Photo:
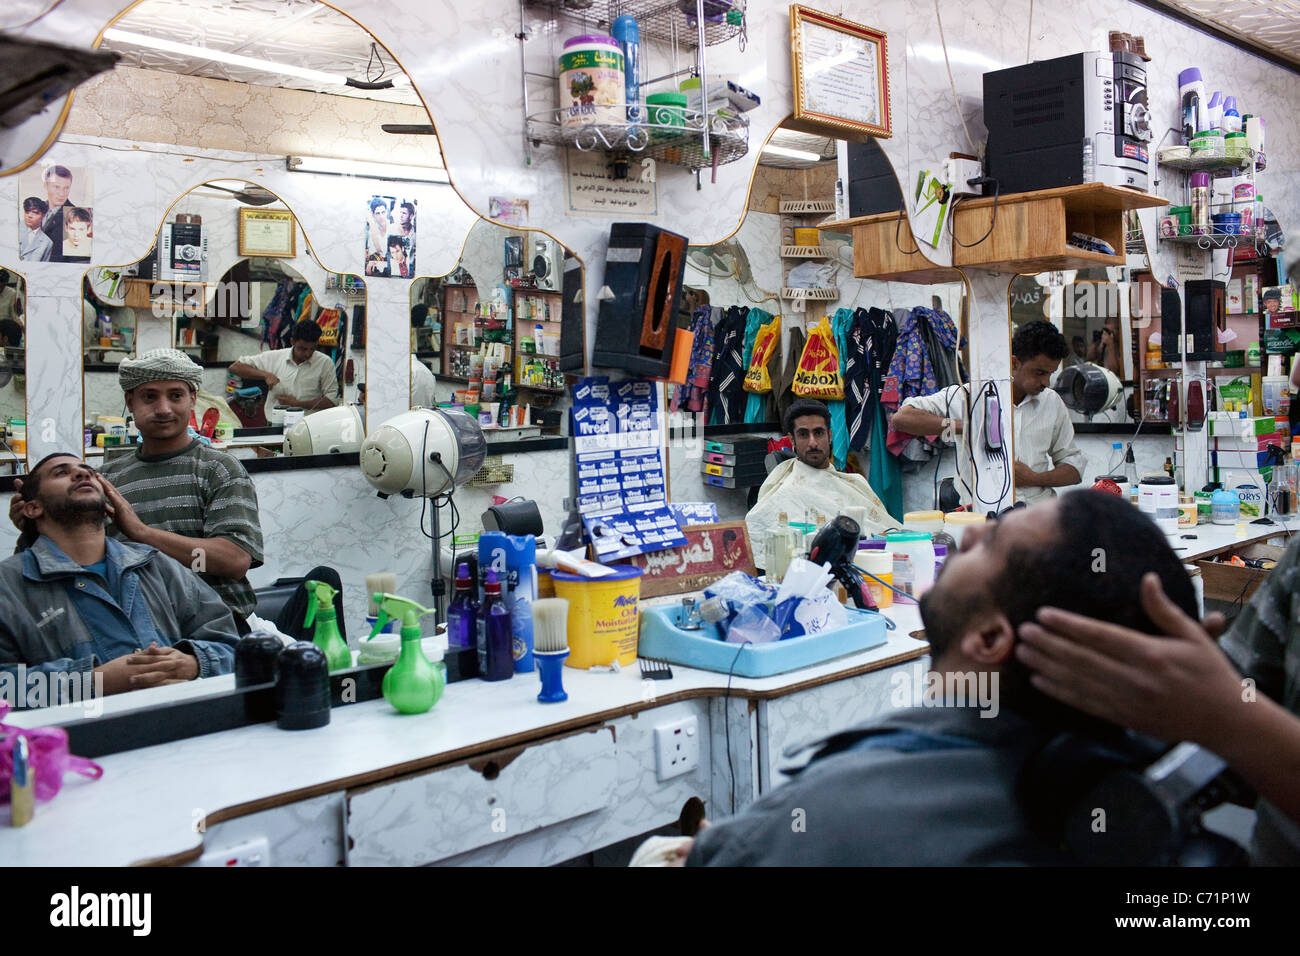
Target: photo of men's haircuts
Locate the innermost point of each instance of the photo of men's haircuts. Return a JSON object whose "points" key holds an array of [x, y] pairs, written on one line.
{"points": [[56, 221], [390, 237]]}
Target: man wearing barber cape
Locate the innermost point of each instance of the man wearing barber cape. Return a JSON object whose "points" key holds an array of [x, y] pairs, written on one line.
{"points": [[808, 484]]}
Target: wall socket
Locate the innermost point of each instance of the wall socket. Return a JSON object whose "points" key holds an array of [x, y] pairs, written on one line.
{"points": [[957, 172], [677, 747], [253, 853]]}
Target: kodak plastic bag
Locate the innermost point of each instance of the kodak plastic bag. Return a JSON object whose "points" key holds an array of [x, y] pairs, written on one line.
{"points": [[767, 341], [818, 374]]}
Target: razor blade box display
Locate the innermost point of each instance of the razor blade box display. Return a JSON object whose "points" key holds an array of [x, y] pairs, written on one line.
{"points": [[661, 637], [636, 329], [622, 489]]}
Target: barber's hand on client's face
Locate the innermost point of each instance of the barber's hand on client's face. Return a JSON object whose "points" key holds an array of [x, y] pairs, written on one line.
{"points": [[1176, 687], [120, 511], [16, 506]]}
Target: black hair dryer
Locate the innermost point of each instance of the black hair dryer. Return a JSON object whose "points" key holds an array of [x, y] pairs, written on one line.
{"points": [[837, 544]]}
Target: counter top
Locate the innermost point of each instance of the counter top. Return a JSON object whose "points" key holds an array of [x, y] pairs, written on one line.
{"points": [[1214, 538], [147, 803]]}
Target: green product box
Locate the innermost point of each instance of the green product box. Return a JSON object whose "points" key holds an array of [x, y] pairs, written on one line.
{"points": [[1236, 427]]}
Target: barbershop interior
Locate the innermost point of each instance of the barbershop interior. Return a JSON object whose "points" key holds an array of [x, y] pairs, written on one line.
{"points": [[624, 432]]}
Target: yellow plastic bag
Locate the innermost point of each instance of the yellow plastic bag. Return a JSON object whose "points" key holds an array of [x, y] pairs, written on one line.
{"points": [[766, 343], [818, 374]]}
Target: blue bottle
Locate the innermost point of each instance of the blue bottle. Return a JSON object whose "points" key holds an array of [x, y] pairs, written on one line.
{"points": [[462, 613], [514, 558], [625, 30], [496, 659]]}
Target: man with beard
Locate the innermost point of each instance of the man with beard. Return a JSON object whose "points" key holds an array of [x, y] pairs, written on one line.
{"points": [[78, 601], [194, 503], [938, 784]]}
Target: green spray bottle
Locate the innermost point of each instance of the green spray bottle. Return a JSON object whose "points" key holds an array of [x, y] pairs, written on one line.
{"points": [[327, 637], [412, 685]]}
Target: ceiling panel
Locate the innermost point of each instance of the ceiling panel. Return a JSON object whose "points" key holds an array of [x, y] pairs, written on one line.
{"points": [[300, 33], [1273, 24]]}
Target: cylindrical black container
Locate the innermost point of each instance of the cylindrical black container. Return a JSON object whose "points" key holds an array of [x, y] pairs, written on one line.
{"points": [[255, 657], [302, 687]]}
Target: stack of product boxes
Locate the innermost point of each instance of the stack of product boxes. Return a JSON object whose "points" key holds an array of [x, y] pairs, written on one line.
{"points": [[1245, 450]]}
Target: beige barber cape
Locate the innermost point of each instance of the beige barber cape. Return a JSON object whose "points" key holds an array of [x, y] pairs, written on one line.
{"points": [[799, 490]]}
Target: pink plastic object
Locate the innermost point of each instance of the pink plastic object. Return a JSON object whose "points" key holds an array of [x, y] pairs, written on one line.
{"points": [[49, 759]]}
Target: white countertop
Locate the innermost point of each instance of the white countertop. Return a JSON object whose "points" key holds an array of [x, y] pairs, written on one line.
{"points": [[1214, 537], [145, 805]]}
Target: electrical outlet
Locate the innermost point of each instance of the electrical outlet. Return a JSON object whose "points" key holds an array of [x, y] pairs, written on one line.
{"points": [[252, 853], [959, 172], [677, 747]]}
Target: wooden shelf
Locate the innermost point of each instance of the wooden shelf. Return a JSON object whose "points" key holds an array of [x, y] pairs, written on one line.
{"points": [[1032, 230], [884, 250]]}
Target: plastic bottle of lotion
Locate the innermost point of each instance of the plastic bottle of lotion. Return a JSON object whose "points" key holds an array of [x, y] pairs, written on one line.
{"points": [[1214, 111], [496, 659], [1231, 118], [1191, 93]]}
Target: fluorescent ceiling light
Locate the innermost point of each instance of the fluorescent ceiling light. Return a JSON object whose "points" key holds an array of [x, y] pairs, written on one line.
{"points": [[352, 167], [234, 59], [792, 153]]}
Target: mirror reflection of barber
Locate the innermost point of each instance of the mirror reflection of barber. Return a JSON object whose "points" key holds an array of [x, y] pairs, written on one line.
{"points": [[1046, 455]]}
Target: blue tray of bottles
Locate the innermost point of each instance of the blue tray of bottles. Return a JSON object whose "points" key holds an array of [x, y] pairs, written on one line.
{"points": [[662, 638]]}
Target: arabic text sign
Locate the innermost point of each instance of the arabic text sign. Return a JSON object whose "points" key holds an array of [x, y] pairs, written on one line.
{"points": [[711, 551]]}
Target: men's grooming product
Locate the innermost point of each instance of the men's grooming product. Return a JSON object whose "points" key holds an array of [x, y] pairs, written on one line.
{"points": [[462, 613], [624, 29], [1158, 500], [255, 659], [302, 687], [1131, 470], [22, 786], [1200, 201], [413, 684], [381, 582], [1214, 111], [1225, 507], [1231, 118], [1191, 94], [514, 558], [551, 629], [496, 660], [592, 85], [320, 608], [1251, 497]]}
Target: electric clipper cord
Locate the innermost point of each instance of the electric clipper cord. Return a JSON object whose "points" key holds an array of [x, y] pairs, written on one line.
{"points": [[994, 447]]}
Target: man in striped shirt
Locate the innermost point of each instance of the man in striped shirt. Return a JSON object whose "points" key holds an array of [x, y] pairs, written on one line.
{"points": [[172, 492]]}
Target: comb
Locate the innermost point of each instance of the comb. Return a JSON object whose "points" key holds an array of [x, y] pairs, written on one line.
{"points": [[652, 669]]}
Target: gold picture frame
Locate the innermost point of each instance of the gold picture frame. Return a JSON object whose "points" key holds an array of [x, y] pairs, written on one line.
{"points": [[834, 61], [267, 232]]}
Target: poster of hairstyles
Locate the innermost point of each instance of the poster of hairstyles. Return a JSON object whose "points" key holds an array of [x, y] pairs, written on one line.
{"points": [[56, 221], [390, 237]]}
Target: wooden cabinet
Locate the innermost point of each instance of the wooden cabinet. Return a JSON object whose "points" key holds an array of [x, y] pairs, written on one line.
{"points": [[883, 249]]}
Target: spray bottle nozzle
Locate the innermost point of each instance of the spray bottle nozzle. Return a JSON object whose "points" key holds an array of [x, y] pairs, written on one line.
{"points": [[393, 605], [323, 596]]}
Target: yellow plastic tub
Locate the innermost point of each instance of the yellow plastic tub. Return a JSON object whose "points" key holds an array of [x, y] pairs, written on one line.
{"points": [[603, 621]]}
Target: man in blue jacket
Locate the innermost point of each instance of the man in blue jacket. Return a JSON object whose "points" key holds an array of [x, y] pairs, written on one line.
{"points": [[79, 602]]}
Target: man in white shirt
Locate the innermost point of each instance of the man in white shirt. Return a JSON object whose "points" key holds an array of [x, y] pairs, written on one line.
{"points": [[1046, 455], [422, 385], [298, 377]]}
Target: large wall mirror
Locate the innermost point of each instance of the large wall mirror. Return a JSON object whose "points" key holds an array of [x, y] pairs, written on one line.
{"points": [[272, 332], [13, 371], [500, 333], [783, 262]]}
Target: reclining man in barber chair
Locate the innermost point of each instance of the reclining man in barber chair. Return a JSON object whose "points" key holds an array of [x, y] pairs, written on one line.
{"points": [[78, 601], [944, 785]]}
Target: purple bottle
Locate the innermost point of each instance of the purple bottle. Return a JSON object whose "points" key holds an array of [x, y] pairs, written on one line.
{"points": [[462, 613], [496, 655]]}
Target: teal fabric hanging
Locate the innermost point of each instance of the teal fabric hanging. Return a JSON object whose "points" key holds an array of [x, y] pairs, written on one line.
{"points": [[885, 474], [841, 323], [756, 319]]}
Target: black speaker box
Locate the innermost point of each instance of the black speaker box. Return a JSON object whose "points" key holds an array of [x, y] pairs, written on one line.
{"points": [[636, 329], [1206, 316]]}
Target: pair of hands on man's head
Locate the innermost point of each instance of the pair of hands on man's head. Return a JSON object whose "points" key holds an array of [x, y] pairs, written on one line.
{"points": [[1178, 686], [151, 667], [120, 511]]}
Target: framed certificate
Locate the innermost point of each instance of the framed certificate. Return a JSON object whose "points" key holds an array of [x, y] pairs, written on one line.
{"points": [[841, 76], [267, 232]]}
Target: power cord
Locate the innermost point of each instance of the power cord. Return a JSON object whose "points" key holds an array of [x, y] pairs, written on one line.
{"points": [[991, 389], [898, 226], [997, 190], [726, 721]]}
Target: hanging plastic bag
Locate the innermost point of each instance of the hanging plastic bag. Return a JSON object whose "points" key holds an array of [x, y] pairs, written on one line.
{"points": [[49, 758], [757, 378], [818, 374]]}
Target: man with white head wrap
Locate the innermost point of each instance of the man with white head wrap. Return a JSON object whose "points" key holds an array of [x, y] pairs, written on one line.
{"points": [[176, 494]]}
